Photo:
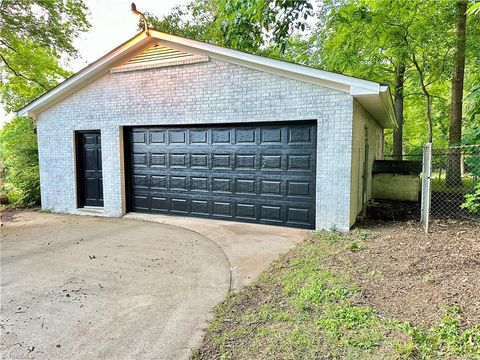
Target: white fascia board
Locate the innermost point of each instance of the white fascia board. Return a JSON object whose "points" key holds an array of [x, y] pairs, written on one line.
{"points": [[387, 103], [326, 78], [84, 76]]}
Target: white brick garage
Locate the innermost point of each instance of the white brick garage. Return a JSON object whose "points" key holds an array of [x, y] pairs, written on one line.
{"points": [[220, 86]]}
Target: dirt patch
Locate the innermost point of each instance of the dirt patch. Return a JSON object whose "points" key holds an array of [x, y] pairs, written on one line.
{"points": [[413, 276], [393, 210], [8, 215]]}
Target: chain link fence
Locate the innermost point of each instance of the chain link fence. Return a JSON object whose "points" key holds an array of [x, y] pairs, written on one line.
{"points": [[450, 175]]}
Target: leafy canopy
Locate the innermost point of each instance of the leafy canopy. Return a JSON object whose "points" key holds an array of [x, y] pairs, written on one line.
{"points": [[240, 24], [34, 35]]}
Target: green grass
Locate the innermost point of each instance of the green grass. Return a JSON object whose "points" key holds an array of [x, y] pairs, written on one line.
{"points": [[303, 308], [439, 184]]}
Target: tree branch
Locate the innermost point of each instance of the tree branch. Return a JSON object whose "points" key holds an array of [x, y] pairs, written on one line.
{"points": [[2, 41], [16, 73]]}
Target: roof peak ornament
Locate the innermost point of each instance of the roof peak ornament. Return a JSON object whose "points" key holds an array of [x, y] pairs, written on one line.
{"points": [[142, 16]]}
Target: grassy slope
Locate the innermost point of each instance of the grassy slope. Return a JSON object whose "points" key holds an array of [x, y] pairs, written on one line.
{"points": [[304, 307]]}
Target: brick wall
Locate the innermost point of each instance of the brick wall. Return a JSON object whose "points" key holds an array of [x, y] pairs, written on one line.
{"points": [[209, 92]]}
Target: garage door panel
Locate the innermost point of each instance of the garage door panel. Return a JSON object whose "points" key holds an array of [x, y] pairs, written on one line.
{"points": [[271, 186], [272, 135], [158, 159], [199, 137], [179, 205], [221, 161], [254, 173], [246, 211], [158, 137], [246, 136], [222, 209], [140, 159], [160, 203], [297, 215], [199, 161], [141, 202], [245, 187], [299, 188], [200, 207], [139, 136], [177, 137], [300, 134], [299, 162], [271, 213], [159, 182]]}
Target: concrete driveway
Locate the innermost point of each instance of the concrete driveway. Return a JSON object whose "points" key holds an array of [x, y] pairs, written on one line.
{"points": [[77, 287]]}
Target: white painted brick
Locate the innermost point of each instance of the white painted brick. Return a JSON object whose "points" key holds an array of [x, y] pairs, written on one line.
{"points": [[206, 93]]}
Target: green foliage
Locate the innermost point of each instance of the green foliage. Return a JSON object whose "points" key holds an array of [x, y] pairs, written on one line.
{"points": [[474, 9], [244, 25], [472, 201], [33, 37], [195, 20], [19, 159], [446, 338], [39, 71]]}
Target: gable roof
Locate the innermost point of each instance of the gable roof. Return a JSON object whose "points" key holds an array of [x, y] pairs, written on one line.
{"points": [[374, 97]]}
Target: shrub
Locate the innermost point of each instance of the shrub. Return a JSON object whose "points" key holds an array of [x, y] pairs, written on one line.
{"points": [[19, 161], [472, 201]]}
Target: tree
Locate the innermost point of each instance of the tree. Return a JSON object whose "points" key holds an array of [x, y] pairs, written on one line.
{"points": [[195, 20], [429, 45], [367, 39], [454, 176], [19, 158], [245, 25], [33, 37]]}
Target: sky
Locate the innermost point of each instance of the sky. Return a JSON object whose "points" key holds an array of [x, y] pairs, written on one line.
{"points": [[112, 24]]}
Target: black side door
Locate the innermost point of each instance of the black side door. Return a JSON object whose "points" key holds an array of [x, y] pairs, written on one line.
{"points": [[89, 168]]}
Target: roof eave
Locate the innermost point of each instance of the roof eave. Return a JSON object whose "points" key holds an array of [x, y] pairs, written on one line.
{"points": [[387, 101], [375, 96], [380, 106]]}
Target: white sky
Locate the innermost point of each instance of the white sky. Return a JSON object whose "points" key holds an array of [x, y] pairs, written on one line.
{"points": [[112, 24]]}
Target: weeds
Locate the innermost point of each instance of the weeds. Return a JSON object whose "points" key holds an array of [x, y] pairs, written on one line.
{"points": [[305, 309]]}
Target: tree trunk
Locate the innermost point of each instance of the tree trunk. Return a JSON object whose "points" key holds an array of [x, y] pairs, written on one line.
{"points": [[398, 101], [454, 176]]}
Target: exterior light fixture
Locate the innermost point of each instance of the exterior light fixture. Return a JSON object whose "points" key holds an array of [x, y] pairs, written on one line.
{"points": [[142, 16]]}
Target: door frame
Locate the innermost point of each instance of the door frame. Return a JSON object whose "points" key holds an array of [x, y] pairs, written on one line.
{"points": [[80, 165], [127, 166]]}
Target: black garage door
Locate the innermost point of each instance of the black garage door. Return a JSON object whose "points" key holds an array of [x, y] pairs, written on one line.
{"points": [[255, 173]]}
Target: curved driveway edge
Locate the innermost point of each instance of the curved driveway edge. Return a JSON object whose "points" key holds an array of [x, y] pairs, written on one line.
{"points": [[83, 287], [250, 248]]}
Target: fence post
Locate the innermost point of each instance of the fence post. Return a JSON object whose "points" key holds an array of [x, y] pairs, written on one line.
{"points": [[426, 185]]}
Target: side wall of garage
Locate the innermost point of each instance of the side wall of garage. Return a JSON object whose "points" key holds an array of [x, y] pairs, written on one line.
{"points": [[204, 93], [366, 131]]}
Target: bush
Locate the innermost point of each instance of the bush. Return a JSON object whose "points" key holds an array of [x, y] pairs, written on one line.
{"points": [[472, 201], [19, 161]]}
